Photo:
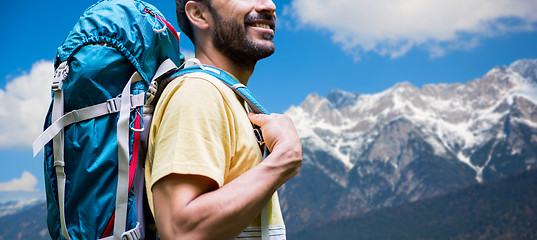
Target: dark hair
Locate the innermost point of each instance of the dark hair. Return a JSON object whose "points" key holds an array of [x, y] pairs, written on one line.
{"points": [[182, 19]]}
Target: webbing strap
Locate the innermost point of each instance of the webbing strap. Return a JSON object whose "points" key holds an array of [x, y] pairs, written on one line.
{"points": [[60, 176], [231, 82], [264, 223], [110, 106], [122, 192], [134, 172], [57, 111], [164, 67]]}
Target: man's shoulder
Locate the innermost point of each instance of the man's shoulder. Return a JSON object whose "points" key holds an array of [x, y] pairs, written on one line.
{"points": [[200, 89], [201, 79]]}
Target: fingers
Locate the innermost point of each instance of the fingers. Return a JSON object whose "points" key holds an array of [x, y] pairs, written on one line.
{"points": [[281, 138], [258, 119], [276, 129]]}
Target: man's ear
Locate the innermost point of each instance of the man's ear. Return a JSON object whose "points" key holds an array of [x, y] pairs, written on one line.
{"points": [[198, 14]]}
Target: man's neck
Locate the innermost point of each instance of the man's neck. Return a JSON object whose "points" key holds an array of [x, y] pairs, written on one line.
{"points": [[242, 72]]}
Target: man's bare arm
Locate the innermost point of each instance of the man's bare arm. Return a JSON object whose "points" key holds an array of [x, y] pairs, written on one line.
{"points": [[191, 207]]}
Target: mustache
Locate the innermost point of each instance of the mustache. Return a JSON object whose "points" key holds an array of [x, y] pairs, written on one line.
{"points": [[262, 16]]}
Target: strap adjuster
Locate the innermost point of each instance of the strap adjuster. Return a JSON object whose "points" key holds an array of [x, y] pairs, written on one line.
{"points": [[258, 135], [59, 75], [57, 84], [237, 86], [112, 105], [151, 92], [133, 234], [59, 163]]}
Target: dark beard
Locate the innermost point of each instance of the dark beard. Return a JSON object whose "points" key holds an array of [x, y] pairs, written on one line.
{"points": [[229, 37]]}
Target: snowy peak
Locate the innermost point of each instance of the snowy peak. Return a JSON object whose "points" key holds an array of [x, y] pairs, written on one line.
{"points": [[407, 143], [455, 119], [340, 99], [527, 68], [11, 207]]}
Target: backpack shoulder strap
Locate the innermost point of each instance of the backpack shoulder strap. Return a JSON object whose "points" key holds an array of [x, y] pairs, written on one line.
{"points": [[168, 71], [255, 107], [229, 81]]}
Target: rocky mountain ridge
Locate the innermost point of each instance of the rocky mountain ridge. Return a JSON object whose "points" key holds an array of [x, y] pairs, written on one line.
{"points": [[11, 207], [409, 143]]}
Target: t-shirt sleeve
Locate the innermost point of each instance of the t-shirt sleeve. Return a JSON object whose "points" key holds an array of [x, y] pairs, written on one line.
{"points": [[194, 133]]}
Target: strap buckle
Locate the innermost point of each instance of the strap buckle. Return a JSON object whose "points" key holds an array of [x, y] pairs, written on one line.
{"points": [[59, 75], [151, 92], [112, 105], [133, 234]]}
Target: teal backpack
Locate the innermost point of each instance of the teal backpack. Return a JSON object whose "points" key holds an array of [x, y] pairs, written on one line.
{"points": [[106, 82]]}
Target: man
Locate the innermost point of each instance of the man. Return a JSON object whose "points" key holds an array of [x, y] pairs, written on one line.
{"points": [[205, 177]]}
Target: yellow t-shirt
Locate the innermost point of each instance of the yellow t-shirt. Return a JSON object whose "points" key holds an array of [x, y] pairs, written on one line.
{"points": [[201, 127]]}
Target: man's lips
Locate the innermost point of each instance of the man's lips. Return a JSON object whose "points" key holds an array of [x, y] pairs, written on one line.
{"points": [[266, 26], [262, 25]]}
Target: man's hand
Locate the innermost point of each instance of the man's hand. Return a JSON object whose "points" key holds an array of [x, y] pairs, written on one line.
{"points": [[282, 141]]}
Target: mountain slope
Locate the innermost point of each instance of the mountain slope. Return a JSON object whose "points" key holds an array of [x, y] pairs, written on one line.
{"points": [[404, 144], [496, 210], [14, 206], [30, 224]]}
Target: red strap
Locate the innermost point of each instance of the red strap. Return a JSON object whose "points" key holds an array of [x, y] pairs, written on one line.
{"points": [[168, 25], [109, 227], [135, 148], [132, 172]]}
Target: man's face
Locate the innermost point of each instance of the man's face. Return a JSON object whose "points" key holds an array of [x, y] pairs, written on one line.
{"points": [[244, 30]]}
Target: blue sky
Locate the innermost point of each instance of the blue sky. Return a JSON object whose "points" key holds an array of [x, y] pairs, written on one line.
{"points": [[359, 46]]}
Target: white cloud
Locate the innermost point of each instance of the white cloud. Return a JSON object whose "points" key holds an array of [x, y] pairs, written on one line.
{"points": [[26, 182], [25, 101], [394, 27]]}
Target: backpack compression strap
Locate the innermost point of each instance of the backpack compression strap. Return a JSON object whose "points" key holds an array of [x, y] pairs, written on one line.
{"points": [[122, 104], [108, 107], [57, 111]]}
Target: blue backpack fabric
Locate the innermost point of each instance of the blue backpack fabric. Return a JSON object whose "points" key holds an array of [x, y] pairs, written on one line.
{"points": [[106, 83]]}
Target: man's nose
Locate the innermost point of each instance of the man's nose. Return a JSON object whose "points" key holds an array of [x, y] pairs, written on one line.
{"points": [[265, 5]]}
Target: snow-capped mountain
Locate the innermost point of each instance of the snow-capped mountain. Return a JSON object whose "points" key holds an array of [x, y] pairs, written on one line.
{"points": [[11, 207], [29, 222], [363, 152]]}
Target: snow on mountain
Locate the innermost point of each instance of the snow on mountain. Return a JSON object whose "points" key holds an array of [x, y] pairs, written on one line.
{"points": [[367, 151], [456, 117], [11, 207]]}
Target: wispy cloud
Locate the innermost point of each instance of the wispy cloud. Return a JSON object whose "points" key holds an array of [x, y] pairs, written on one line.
{"points": [[26, 182], [395, 27], [25, 101]]}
